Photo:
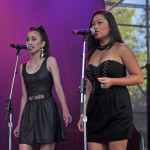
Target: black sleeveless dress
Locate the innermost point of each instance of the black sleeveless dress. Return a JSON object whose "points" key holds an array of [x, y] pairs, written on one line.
{"points": [[41, 120], [109, 111]]}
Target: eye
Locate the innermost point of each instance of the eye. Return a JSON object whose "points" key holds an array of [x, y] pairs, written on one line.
{"points": [[93, 23], [27, 39], [99, 22], [34, 39]]}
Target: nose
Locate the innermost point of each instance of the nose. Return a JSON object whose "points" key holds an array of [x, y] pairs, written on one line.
{"points": [[95, 26], [29, 42]]}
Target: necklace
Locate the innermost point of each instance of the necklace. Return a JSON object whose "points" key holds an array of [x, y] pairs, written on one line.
{"points": [[107, 46]]}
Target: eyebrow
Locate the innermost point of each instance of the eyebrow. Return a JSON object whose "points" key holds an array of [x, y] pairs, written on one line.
{"points": [[31, 36], [97, 20]]}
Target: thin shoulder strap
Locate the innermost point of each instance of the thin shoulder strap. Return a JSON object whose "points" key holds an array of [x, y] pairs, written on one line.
{"points": [[24, 69]]}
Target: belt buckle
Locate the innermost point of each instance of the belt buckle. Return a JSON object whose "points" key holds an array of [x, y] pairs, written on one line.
{"points": [[37, 97]]}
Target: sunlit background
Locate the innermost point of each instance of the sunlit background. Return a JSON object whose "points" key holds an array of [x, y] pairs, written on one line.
{"points": [[131, 18]]}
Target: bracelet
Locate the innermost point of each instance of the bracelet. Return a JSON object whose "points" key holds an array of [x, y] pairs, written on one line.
{"points": [[81, 115]]}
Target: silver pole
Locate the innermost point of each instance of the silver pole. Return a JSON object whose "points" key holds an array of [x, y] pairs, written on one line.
{"points": [[147, 31], [85, 120], [9, 107], [10, 124], [82, 91], [148, 75], [115, 5]]}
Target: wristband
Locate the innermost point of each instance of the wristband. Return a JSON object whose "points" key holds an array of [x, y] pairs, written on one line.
{"points": [[81, 115]]}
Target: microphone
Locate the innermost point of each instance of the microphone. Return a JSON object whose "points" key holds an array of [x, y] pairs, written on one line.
{"points": [[84, 31], [19, 47]]}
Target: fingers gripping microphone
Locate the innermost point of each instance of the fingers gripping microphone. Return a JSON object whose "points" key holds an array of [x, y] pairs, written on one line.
{"points": [[84, 31], [19, 47]]}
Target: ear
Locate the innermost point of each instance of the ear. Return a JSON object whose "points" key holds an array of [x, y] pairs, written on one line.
{"points": [[43, 44]]}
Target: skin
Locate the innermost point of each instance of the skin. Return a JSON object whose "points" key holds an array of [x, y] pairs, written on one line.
{"points": [[34, 41], [120, 53]]}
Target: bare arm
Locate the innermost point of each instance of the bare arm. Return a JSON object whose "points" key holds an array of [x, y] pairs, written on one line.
{"points": [[88, 92], [53, 68], [131, 63], [23, 102]]}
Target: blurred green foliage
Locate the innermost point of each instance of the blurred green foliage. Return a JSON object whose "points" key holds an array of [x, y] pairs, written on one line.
{"points": [[134, 37]]}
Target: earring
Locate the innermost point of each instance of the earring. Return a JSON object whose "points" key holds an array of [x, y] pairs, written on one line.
{"points": [[42, 52]]}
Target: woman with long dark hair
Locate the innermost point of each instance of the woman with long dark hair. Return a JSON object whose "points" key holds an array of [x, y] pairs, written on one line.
{"points": [[40, 121], [109, 111]]}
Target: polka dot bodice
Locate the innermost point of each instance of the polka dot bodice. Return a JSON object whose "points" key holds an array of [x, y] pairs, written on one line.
{"points": [[108, 68]]}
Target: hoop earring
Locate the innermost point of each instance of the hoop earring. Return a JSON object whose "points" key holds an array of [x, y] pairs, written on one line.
{"points": [[42, 52]]}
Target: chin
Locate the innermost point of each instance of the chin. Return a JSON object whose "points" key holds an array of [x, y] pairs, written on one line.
{"points": [[97, 37]]}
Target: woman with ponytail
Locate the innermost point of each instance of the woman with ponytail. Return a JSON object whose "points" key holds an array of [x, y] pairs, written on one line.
{"points": [[40, 120]]}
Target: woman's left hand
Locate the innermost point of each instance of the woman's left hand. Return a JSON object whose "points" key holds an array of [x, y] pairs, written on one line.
{"points": [[105, 82], [67, 117]]}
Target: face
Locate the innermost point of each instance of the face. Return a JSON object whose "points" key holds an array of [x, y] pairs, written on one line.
{"points": [[101, 26], [33, 39]]}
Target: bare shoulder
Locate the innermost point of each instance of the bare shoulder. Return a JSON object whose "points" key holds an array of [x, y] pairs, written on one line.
{"points": [[51, 63], [127, 55], [51, 60], [20, 67], [123, 49]]}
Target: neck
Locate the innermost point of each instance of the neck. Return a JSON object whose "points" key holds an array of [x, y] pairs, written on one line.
{"points": [[35, 58], [106, 46], [104, 42]]}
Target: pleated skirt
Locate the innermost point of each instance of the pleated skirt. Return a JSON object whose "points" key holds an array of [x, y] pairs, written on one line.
{"points": [[41, 122]]}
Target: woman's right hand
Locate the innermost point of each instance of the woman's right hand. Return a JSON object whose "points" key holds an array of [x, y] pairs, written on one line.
{"points": [[80, 124], [16, 131]]}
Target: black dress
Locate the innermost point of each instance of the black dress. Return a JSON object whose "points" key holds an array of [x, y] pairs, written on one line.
{"points": [[41, 120], [109, 111]]}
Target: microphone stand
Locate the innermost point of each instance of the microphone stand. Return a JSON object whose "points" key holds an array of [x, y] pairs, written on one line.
{"points": [[83, 96], [9, 106]]}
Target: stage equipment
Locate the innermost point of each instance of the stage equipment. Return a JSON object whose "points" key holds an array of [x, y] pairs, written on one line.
{"points": [[83, 32], [9, 107]]}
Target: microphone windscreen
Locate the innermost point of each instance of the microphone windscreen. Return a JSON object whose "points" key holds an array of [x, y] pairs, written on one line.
{"points": [[28, 47], [75, 32], [93, 31]]}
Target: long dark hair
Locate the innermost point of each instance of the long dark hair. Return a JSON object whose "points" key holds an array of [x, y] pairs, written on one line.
{"points": [[44, 37], [114, 34]]}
